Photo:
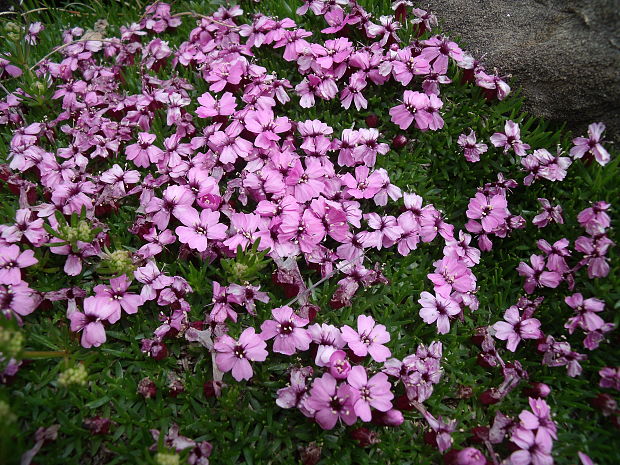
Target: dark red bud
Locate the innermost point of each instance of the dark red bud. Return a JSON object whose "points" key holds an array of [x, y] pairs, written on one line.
{"points": [[212, 388], [537, 390], [147, 388], [98, 425], [490, 397], [399, 141], [372, 121], [365, 437]]}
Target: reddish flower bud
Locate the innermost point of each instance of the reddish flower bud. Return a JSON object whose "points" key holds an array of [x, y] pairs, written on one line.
{"points": [[403, 403], [392, 417], [98, 425], [212, 388], [311, 454], [479, 434], [175, 388], [605, 403], [147, 388], [372, 121], [537, 390], [365, 437], [490, 397], [399, 141]]}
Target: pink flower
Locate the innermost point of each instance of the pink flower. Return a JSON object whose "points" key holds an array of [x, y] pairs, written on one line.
{"points": [[510, 139], [535, 276], [548, 215], [352, 93], [374, 392], [143, 153], [368, 339], [516, 328], [199, 228], [328, 338], [365, 185], [237, 355], [539, 418], [595, 219], [610, 378], [414, 107], [267, 127], [296, 394], [491, 210], [17, 300], [585, 313], [438, 309], [111, 299], [339, 366], [12, 261], [90, 322], [287, 328], [451, 275], [210, 107], [332, 402], [471, 149], [555, 254], [591, 145], [535, 448]]}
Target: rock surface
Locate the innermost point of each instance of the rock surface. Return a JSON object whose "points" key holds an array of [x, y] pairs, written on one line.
{"points": [[564, 54]]}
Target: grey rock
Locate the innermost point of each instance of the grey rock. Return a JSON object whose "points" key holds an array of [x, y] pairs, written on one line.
{"points": [[564, 54]]}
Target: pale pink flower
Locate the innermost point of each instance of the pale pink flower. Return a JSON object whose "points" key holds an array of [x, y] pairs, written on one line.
{"points": [[237, 355], [368, 339]]}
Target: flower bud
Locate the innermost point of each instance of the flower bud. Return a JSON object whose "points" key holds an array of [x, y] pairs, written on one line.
{"points": [[469, 456], [365, 437], [74, 376], [537, 390], [147, 388], [490, 397], [98, 425], [399, 141], [392, 417], [339, 366], [372, 121], [212, 389], [311, 454]]}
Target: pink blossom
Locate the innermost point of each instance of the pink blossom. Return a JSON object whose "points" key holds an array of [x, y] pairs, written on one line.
{"points": [[287, 329], [143, 153], [585, 313], [515, 328], [472, 149], [591, 144], [237, 355], [198, 228], [535, 276], [331, 402], [610, 378], [438, 309], [328, 338], [17, 300], [414, 107], [111, 299], [510, 139], [12, 260], [491, 211], [210, 107], [91, 322], [374, 392], [548, 215], [368, 339]]}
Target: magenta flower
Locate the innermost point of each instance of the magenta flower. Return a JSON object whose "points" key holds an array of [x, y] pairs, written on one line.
{"points": [[451, 275], [111, 299], [510, 139], [352, 93], [25, 227], [143, 153], [17, 300], [535, 447], [437, 50], [539, 418], [266, 126], [12, 261], [535, 276], [91, 322], [549, 214], [210, 107], [364, 185], [199, 228], [368, 339], [516, 328], [414, 107], [610, 378], [591, 145], [438, 309], [374, 392], [339, 366], [585, 313], [472, 150], [287, 329], [332, 402], [491, 211], [328, 339], [296, 394], [237, 355], [595, 219], [555, 254]]}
